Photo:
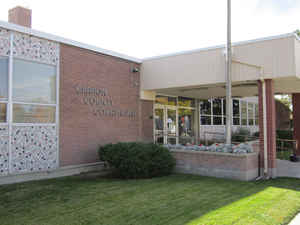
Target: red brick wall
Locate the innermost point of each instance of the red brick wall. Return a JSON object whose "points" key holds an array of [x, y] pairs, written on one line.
{"points": [[271, 123], [147, 121], [81, 132], [227, 165], [20, 16], [296, 120], [261, 124]]}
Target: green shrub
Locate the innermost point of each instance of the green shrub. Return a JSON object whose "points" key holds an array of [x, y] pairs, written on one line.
{"points": [[285, 134], [137, 160], [241, 135], [256, 134]]}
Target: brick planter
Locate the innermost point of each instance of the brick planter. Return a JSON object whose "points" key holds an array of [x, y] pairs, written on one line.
{"points": [[215, 164]]}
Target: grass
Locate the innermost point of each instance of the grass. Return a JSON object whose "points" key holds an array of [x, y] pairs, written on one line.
{"points": [[173, 200]]}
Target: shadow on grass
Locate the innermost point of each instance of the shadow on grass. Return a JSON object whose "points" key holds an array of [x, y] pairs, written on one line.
{"points": [[177, 199]]}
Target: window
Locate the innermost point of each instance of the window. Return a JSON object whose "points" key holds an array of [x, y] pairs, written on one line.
{"points": [[186, 125], [256, 114], [186, 102], [236, 111], [250, 114], [33, 114], [244, 113], [3, 79], [205, 112], [212, 112], [3, 112], [205, 107], [166, 100], [34, 92], [217, 112], [34, 82], [3, 89]]}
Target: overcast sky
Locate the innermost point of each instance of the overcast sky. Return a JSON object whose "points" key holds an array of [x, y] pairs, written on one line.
{"points": [[144, 28]]}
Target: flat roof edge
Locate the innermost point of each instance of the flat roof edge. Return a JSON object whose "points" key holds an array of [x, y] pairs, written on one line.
{"points": [[51, 37], [222, 46]]}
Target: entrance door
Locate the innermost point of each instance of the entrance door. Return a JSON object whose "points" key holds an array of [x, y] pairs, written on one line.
{"points": [[165, 125]]}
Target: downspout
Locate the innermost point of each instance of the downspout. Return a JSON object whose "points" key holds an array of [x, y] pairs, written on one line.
{"points": [[265, 127]]}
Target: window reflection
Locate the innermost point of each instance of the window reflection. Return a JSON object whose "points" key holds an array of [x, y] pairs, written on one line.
{"points": [[236, 112], [3, 111], [34, 82], [256, 115], [205, 107], [166, 100], [250, 114], [217, 107], [3, 78], [186, 102], [244, 113], [186, 123], [33, 114]]}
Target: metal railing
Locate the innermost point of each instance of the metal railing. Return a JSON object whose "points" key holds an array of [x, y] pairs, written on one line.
{"points": [[212, 137], [181, 139], [285, 148]]}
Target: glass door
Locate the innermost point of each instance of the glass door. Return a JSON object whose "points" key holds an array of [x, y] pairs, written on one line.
{"points": [[171, 126], [165, 125], [159, 125], [186, 126]]}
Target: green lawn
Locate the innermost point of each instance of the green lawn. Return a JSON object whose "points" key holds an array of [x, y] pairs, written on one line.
{"points": [[176, 200]]}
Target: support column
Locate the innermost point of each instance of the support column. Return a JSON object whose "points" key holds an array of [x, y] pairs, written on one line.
{"points": [[270, 125], [296, 120]]}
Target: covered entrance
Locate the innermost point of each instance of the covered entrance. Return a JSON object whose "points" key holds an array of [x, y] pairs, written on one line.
{"points": [[260, 68]]}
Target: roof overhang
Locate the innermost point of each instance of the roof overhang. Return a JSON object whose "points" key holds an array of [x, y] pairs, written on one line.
{"points": [[201, 73]]}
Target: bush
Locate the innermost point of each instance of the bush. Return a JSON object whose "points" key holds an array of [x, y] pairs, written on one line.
{"points": [[137, 160], [241, 135], [281, 134], [285, 134], [256, 134]]}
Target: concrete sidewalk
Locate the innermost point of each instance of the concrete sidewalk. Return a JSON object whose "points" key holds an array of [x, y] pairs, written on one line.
{"points": [[296, 220], [286, 168]]}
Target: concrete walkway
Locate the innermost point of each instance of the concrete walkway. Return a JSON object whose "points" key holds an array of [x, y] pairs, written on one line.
{"points": [[286, 168]]}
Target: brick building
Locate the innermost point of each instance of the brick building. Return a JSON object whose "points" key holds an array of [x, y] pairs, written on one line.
{"points": [[60, 99]]}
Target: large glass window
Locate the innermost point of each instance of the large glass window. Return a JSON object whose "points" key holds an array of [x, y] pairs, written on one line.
{"points": [[236, 111], [186, 102], [244, 113], [34, 82], [186, 123], [205, 112], [166, 100], [250, 114], [3, 78], [217, 112], [33, 114], [35, 85], [256, 114], [213, 112], [3, 112]]}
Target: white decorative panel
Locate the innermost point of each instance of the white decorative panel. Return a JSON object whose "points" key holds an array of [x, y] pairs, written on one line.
{"points": [[4, 153], [34, 148], [4, 42], [207, 131], [36, 49]]}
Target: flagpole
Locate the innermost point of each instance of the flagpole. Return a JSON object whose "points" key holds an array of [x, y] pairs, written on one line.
{"points": [[228, 76]]}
